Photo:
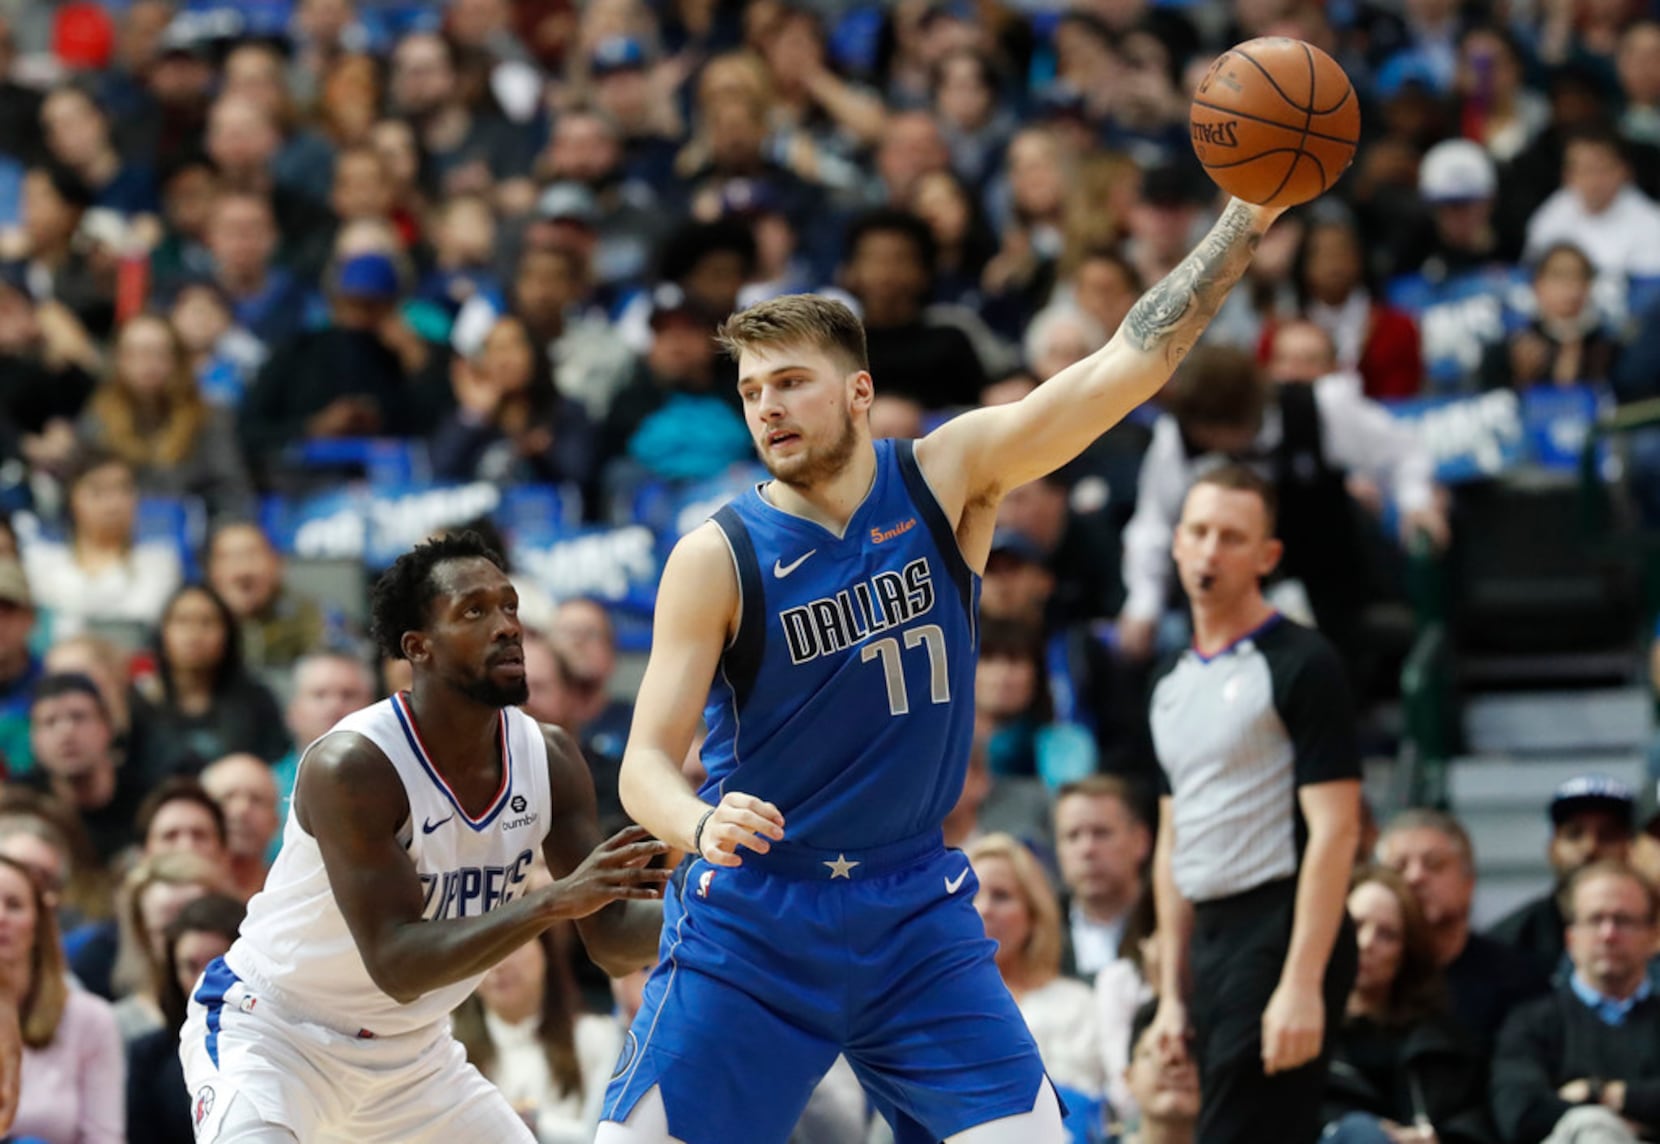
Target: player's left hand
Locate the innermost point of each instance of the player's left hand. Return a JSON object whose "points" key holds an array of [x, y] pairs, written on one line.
{"points": [[740, 820], [1292, 1027]]}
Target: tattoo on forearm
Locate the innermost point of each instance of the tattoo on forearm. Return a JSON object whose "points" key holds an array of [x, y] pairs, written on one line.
{"points": [[1169, 318]]}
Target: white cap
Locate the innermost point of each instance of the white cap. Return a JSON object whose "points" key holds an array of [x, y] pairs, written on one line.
{"points": [[1456, 170]]}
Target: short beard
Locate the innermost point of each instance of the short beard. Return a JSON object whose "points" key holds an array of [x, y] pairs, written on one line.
{"points": [[481, 690], [815, 467]]}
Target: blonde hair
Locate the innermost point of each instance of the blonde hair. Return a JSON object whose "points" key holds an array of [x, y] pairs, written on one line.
{"points": [[135, 966], [43, 1005], [797, 320], [184, 413], [1040, 958]]}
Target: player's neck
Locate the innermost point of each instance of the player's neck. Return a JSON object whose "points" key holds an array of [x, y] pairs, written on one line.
{"points": [[833, 501], [1214, 628], [455, 730]]}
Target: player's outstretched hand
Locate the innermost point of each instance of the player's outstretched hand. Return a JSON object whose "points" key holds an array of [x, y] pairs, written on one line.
{"points": [[615, 869], [739, 820]]}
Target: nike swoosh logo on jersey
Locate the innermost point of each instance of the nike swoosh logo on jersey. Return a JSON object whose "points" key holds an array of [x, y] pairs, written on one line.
{"points": [[781, 569], [952, 885], [429, 826]]}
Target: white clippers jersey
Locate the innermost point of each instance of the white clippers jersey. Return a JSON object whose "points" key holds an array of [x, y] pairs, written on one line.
{"points": [[295, 945]]}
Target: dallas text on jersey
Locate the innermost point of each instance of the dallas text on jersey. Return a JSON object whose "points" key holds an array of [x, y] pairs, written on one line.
{"points": [[836, 623]]}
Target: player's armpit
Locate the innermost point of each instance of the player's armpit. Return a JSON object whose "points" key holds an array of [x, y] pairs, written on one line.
{"points": [[983, 454]]}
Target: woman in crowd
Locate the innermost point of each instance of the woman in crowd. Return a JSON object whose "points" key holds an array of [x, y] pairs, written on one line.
{"points": [[158, 1104], [152, 895], [150, 413], [521, 1030], [510, 423], [102, 572], [1567, 341], [1023, 917], [207, 705], [1015, 712], [1399, 1061], [72, 1068]]}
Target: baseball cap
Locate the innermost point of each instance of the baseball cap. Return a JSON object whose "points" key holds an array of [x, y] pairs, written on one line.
{"points": [[1014, 543], [615, 54], [14, 585], [568, 202], [1592, 792], [367, 276], [1456, 171]]}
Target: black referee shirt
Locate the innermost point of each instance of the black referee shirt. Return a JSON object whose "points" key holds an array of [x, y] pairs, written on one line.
{"points": [[1236, 734]]}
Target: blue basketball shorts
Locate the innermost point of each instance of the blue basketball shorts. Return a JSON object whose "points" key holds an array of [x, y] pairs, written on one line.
{"points": [[769, 970]]}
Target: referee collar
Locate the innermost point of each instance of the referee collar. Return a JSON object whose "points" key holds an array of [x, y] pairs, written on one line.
{"points": [[1273, 618]]}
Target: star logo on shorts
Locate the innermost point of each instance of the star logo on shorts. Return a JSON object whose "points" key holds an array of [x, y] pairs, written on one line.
{"points": [[841, 868]]}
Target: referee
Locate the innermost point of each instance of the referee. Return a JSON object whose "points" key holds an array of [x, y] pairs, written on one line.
{"points": [[1259, 816]]}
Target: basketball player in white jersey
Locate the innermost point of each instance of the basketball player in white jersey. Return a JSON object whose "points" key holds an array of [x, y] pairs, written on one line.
{"points": [[402, 879]]}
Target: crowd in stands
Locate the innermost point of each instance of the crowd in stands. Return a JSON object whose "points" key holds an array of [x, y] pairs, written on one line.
{"points": [[261, 257]]}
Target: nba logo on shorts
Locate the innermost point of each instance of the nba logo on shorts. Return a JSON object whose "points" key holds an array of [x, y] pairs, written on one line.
{"points": [[703, 881], [204, 1105]]}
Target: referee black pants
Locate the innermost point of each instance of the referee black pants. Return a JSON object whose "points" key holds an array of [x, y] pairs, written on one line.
{"points": [[1238, 951]]}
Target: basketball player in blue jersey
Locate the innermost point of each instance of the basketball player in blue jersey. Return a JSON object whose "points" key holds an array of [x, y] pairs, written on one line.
{"points": [[823, 627], [402, 879]]}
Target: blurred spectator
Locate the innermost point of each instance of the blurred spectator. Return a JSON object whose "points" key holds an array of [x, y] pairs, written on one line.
{"points": [[365, 374], [1599, 210], [56, 266], [78, 136], [557, 698], [31, 836], [241, 238], [255, 70], [1309, 437], [275, 625], [1014, 710], [207, 704], [73, 1074], [1023, 918], [586, 152], [20, 134], [1593, 819], [1584, 1062], [463, 242], [149, 411], [103, 571], [976, 125], [132, 720], [159, 1106], [1372, 338], [1124, 989], [586, 641], [889, 270], [1103, 284], [243, 140], [511, 425], [1102, 846], [223, 355], [963, 241], [327, 686], [246, 792], [19, 666], [675, 419], [1399, 1063], [1007, 804], [151, 896], [522, 1031], [1486, 979], [178, 816], [1165, 1089], [1059, 336], [1567, 341], [71, 738], [469, 151], [46, 368], [1638, 65], [1299, 351], [1498, 111]]}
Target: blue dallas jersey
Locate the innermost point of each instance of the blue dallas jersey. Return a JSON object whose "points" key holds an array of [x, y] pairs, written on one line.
{"points": [[847, 697]]}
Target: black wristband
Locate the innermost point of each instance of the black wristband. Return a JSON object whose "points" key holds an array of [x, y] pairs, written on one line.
{"points": [[697, 834]]}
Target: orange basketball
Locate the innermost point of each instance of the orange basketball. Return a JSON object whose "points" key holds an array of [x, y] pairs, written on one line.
{"points": [[1275, 121]]}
